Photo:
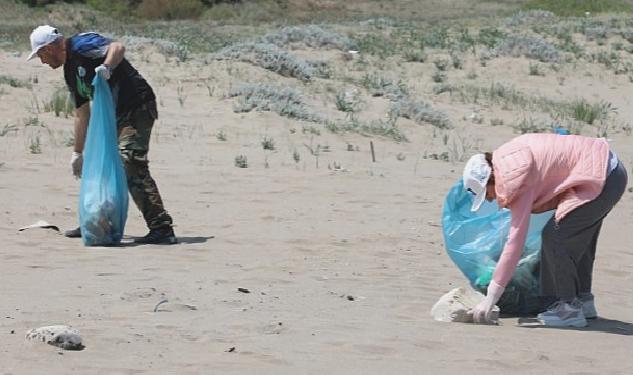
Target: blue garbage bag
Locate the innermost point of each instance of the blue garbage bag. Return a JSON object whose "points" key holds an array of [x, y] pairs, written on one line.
{"points": [[474, 241], [103, 197]]}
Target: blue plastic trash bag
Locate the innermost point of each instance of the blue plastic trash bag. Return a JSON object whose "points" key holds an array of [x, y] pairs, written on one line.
{"points": [[103, 197], [474, 241]]}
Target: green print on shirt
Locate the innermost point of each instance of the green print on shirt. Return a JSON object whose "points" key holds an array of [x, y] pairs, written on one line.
{"points": [[83, 89]]}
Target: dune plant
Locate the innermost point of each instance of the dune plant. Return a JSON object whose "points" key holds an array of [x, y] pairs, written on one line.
{"points": [[415, 55], [438, 76], [420, 113], [285, 101], [590, 113], [441, 64], [530, 17], [528, 46], [309, 35], [35, 146], [348, 101], [60, 103], [534, 70], [241, 161], [271, 57], [578, 8], [378, 85], [268, 143], [14, 82], [296, 156]]}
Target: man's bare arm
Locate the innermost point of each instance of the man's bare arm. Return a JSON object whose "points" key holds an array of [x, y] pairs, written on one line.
{"points": [[82, 116], [116, 52]]}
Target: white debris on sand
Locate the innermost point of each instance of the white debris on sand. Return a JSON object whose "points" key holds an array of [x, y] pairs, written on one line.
{"points": [[61, 336], [455, 305]]}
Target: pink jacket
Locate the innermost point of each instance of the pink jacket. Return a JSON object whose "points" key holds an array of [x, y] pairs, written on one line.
{"points": [[537, 172]]}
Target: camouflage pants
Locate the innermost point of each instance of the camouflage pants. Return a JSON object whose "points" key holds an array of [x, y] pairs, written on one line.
{"points": [[135, 129]]}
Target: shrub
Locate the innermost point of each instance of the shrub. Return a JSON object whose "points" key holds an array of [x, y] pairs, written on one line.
{"points": [[568, 8], [311, 36], [420, 113], [60, 103], [456, 61], [285, 101], [530, 47], [490, 36], [14, 82], [221, 136], [582, 110], [536, 16], [441, 64], [348, 101], [376, 45], [383, 128], [241, 161], [270, 57], [415, 55], [268, 143], [535, 70], [170, 9], [529, 125], [35, 147], [438, 76], [441, 88], [381, 86]]}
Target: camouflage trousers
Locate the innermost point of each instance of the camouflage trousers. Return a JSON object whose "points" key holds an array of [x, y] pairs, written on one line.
{"points": [[135, 129]]}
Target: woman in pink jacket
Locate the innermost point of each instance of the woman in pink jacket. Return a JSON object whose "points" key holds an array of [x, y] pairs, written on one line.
{"points": [[577, 176]]}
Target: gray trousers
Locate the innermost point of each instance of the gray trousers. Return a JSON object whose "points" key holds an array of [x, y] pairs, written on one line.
{"points": [[569, 247]]}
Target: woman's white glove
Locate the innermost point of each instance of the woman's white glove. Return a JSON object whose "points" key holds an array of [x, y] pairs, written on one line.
{"points": [[482, 312], [76, 163]]}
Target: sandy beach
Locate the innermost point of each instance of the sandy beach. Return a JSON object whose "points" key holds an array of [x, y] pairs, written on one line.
{"points": [[339, 258]]}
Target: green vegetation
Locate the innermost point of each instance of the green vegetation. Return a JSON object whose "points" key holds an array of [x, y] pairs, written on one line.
{"points": [[60, 103], [577, 8], [14, 82]]}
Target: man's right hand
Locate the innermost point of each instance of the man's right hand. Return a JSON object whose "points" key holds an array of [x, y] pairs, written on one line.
{"points": [[76, 162]]}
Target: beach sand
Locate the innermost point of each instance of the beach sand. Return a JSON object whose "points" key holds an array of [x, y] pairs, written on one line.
{"points": [[343, 261]]}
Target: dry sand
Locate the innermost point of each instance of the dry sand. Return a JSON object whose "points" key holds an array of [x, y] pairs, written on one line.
{"points": [[343, 265]]}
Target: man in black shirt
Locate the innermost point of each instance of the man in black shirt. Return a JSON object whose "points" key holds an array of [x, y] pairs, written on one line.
{"points": [[83, 56]]}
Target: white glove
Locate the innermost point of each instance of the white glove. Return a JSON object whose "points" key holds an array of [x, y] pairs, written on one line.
{"points": [[76, 162], [482, 312], [104, 71]]}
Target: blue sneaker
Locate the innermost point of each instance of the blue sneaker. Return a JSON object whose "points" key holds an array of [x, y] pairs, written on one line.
{"points": [[563, 314], [588, 306]]}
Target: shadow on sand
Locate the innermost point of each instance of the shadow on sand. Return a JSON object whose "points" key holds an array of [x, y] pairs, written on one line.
{"points": [[611, 326]]}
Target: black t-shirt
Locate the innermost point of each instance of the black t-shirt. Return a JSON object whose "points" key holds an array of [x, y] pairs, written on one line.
{"points": [[85, 52]]}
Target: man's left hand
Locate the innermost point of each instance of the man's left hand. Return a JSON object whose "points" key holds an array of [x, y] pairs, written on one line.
{"points": [[104, 71]]}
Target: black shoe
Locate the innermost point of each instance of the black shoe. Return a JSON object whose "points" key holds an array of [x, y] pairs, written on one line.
{"points": [[164, 235], [73, 233]]}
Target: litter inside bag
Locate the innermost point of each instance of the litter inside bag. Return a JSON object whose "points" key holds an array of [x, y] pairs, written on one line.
{"points": [[474, 241], [103, 198]]}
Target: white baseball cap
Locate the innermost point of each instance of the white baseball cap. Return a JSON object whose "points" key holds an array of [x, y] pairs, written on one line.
{"points": [[476, 174], [42, 36]]}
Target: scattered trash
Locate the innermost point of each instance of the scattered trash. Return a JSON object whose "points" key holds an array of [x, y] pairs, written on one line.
{"points": [[243, 290], [40, 224], [350, 298], [273, 328], [560, 130], [230, 350], [62, 336], [160, 303], [455, 306]]}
